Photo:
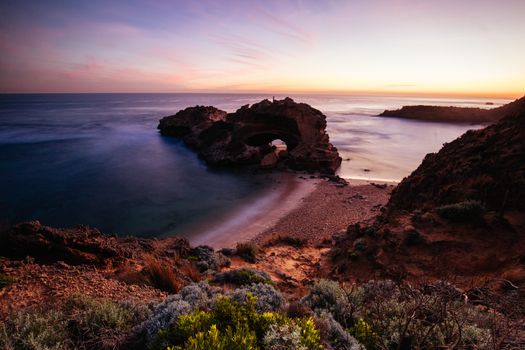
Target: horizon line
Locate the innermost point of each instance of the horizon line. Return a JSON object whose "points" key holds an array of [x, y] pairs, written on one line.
{"points": [[501, 95]]}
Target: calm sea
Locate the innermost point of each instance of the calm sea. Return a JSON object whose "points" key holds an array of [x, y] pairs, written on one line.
{"points": [[97, 159]]}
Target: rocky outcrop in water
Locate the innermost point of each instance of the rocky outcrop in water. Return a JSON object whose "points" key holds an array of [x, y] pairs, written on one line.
{"points": [[453, 114], [244, 137]]}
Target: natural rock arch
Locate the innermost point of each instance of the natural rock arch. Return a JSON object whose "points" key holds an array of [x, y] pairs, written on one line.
{"points": [[243, 137]]}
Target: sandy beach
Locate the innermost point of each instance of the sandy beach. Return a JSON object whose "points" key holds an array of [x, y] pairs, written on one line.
{"points": [[299, 206], [329, 209], [258, 215]]}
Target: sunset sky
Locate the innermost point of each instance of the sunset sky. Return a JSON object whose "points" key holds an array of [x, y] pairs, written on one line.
{"points": [[468, 47]]}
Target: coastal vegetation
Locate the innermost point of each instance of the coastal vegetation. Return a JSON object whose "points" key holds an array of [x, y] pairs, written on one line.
{"points": [[375, 315]]}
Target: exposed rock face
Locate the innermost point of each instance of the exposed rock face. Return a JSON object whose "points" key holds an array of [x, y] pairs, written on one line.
{"points": [[486, 165], [454, 114], [243, 137], [414, 238]]}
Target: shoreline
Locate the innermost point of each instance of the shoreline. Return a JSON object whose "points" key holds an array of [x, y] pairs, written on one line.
{"points": [[258, 215], [330, 209], [294, 205]]}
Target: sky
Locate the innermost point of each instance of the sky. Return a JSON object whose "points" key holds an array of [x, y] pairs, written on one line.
{"points": [[440, 47]]}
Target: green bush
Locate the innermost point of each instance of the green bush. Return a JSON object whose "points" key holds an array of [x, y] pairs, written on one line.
{"points": [[463, 211], [243, 276], [363, 332], [248, 251], [231, 325]]}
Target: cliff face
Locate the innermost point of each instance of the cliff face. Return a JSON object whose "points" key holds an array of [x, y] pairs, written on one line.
{"points": [[243, 137], [454, 114], [460, 213], [487, 165]]}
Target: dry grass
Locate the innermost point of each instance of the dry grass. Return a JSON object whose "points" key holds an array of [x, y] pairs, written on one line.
{"points": [[162, 276]]}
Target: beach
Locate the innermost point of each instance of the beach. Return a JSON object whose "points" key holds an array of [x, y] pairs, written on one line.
{"points": [[302, 206]]}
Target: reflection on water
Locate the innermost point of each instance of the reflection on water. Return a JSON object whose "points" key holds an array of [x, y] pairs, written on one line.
{"points": [[97, 159]]}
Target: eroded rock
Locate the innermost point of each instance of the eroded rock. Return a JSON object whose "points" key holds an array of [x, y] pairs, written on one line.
{"points": [[244, 137]]}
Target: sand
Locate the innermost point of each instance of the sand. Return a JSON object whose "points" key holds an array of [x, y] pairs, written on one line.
{"points": [[329, 209], [299, 206], [259, 215], [325, 210]]}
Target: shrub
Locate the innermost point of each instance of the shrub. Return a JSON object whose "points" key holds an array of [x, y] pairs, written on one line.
{"points": [[239, 339], [268, 298], [97, 323], [248, 251], [284, 337], [199, 295], [326, 295], [470, 210], [310, 336], [385, 315], [401, 316], [162, 277], [287, 240], [35, 330], [208, 259], [6, 281], [334, 333], [80, 323], [233, 325], [363, 332], [165, 314], [243, 276]]}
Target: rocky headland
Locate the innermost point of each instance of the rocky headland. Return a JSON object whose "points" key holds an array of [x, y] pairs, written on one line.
{"points": [[460, 213], [453, 114], [244, 137]]}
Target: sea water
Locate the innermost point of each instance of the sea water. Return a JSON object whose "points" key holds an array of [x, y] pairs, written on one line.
{"points": [[98, 159]]}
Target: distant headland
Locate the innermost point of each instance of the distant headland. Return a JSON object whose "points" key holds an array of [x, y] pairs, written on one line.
{"points": [[453, 114]]}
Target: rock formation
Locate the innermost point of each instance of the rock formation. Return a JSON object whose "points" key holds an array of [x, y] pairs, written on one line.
{"points": [[244, 137], [461, 213], [487, 165], [453, 114], [81, 245]]}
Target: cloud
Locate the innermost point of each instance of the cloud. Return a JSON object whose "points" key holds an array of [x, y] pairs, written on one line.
{"points": [[282, 27]]}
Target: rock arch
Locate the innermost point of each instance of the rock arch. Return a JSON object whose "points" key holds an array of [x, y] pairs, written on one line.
{"points": [[243, 137]]}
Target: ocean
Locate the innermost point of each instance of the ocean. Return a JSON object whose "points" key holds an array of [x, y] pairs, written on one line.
{"points": [[98, 159]]}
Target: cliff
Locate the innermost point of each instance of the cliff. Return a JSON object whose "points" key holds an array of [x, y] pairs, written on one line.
{"points": [[460, 213]]}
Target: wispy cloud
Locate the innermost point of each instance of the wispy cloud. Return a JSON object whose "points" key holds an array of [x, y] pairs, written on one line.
{"points": [[243, 51], [282, 27]]}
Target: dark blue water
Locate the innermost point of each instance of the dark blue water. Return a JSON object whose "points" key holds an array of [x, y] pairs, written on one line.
{"points": [[98, 159]]}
